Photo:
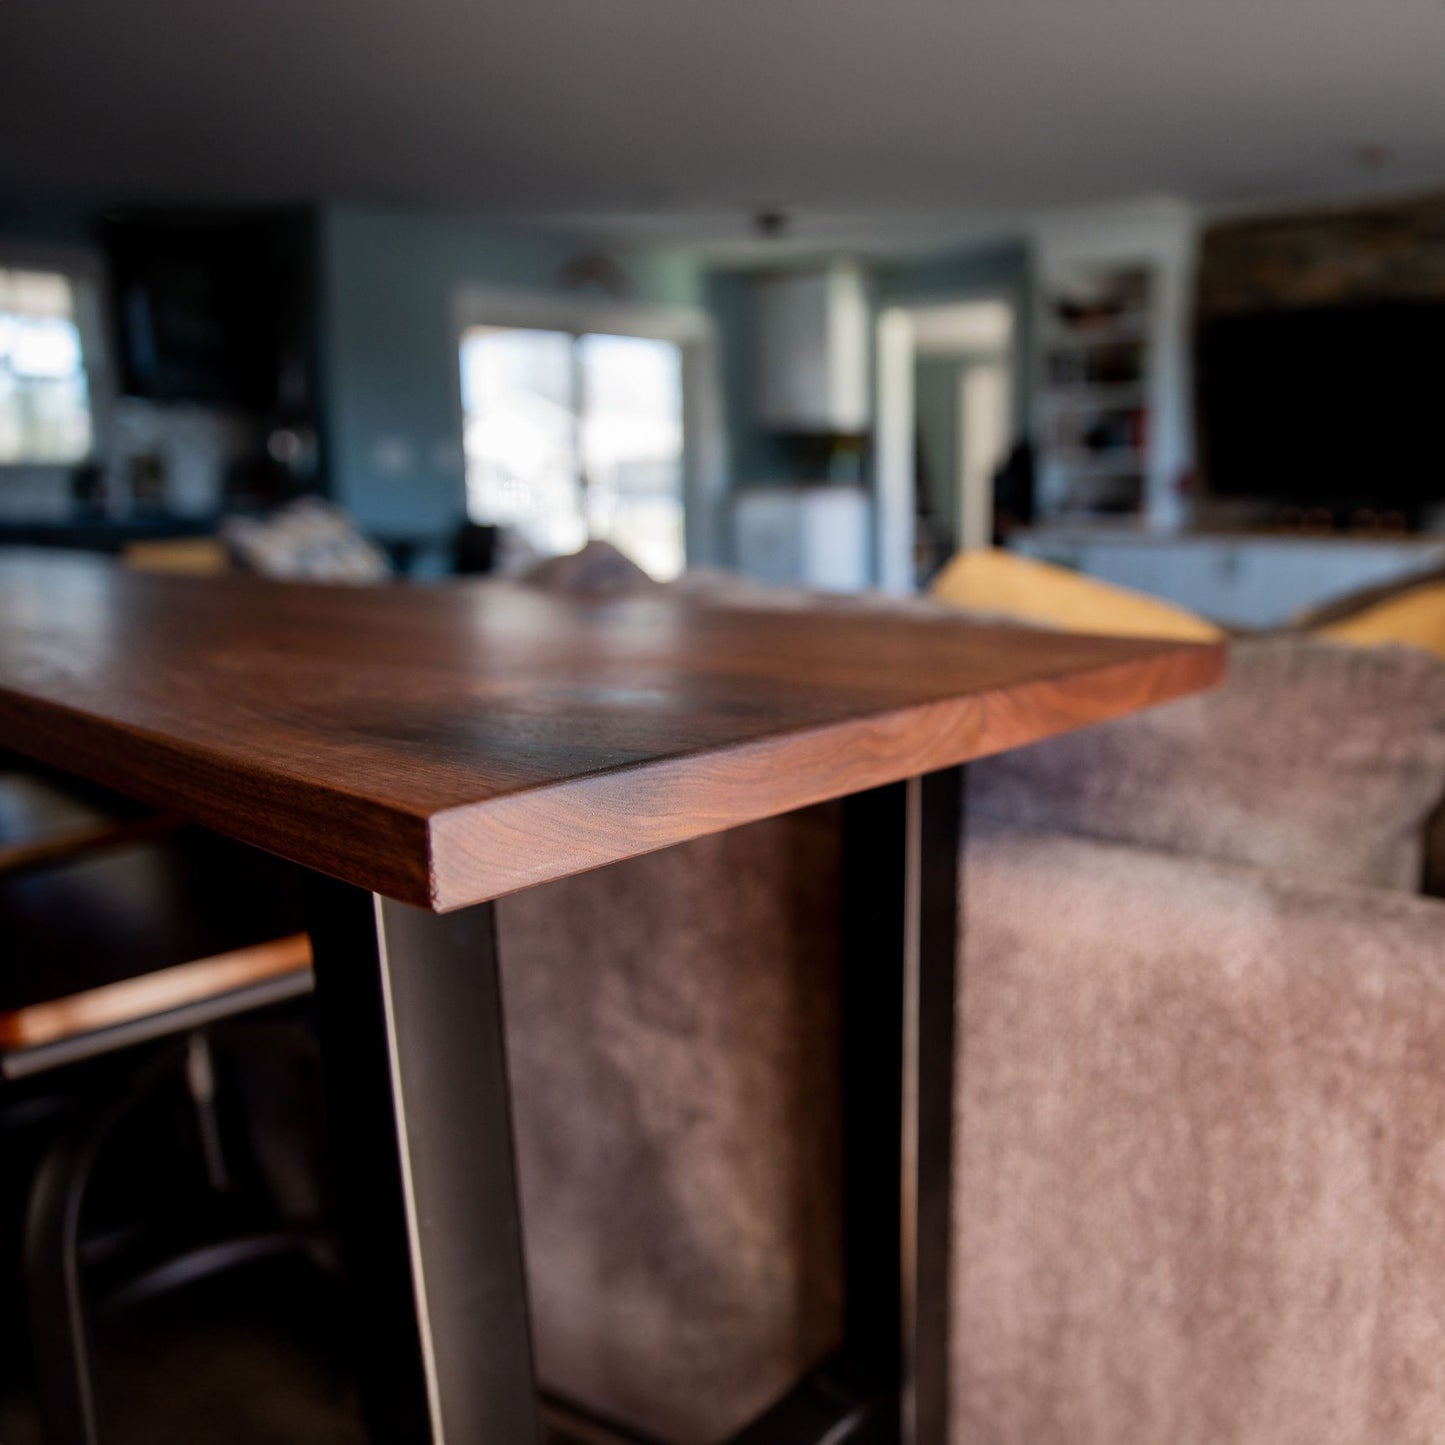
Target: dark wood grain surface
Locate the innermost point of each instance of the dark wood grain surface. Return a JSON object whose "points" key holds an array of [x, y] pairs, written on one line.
{"points": [[449, 745]]}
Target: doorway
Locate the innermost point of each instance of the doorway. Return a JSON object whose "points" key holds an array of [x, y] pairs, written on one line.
{"points": [[947, 411]]}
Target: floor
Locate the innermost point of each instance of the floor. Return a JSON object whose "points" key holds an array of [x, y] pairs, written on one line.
{"points": [[248, 1359], [253, 1358]]}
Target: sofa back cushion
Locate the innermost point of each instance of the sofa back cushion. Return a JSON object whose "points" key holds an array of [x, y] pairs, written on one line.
{"points": [[595, 567], [1312, 757], [991, 582]]}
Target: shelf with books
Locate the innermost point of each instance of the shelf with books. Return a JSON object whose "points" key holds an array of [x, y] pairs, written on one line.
{"points": [[1093, 408]]}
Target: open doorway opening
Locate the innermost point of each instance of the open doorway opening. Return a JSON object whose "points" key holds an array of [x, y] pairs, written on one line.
{"points": [[947, 412]]}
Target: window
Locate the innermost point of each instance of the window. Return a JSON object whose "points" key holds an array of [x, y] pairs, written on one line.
{"points": [[45, 413], [570, 437]]}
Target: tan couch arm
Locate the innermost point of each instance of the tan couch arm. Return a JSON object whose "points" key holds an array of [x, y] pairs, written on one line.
{"points": [[1201, 1175]]}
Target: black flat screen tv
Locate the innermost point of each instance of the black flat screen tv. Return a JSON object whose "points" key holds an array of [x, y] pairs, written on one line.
{"points": [[196, 311], [1336, 406]]}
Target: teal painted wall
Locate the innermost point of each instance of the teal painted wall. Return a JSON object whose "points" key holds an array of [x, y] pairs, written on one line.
{"points": [[758, 456], [391, 410], [754, 455], [387, 349], [961, 274]]}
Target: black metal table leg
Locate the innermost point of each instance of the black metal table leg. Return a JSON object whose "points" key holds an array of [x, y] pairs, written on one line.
{"points": [[409, 1012], [889, 1382], [900, 967], [931, 1037]]}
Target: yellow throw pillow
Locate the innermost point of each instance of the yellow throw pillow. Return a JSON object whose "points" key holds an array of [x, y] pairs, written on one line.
{"points": [[1004, 583], [1410, 619]]}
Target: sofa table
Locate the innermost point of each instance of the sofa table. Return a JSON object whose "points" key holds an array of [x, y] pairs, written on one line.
{"points": [[427, 751]]}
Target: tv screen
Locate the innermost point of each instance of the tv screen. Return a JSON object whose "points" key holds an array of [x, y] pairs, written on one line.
{"points": [[1330, 407], [196, 312]]}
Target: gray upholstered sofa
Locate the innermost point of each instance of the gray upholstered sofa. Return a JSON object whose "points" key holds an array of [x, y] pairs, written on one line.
{"points": [[1200, 1106]]}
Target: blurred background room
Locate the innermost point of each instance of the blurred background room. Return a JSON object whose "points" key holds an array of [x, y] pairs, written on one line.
{"points": [[822, 296]]}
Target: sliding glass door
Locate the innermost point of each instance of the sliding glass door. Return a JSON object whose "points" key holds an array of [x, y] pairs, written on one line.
{"points": [[571, 437]]}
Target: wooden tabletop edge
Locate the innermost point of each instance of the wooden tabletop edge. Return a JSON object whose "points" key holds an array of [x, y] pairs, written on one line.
{"points": [[1168, 672], [118, 760]]}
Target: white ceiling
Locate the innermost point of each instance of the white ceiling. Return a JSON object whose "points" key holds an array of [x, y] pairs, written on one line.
{"points": [[676, 118]]}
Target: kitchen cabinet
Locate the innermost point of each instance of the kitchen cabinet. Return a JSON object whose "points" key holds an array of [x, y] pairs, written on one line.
{"points": [[804, 536], [812, 351], [1241, 580]]}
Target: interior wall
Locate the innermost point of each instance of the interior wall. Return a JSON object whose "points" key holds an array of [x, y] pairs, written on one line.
{"points": [[754, 453], [994, 270], [931, 405], [388, 348], [988, 270], [936, 381]]}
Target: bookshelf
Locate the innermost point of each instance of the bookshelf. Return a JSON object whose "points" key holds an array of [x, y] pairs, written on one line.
{"points": [[1111, 415], [1093, 395]]}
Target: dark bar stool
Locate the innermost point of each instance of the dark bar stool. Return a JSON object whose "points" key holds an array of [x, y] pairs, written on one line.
{"points": [[128, 941]]}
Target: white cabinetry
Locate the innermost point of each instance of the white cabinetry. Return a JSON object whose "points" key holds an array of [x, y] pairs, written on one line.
{"points": [[804, 536], [1242, 581], [812, 358]]}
